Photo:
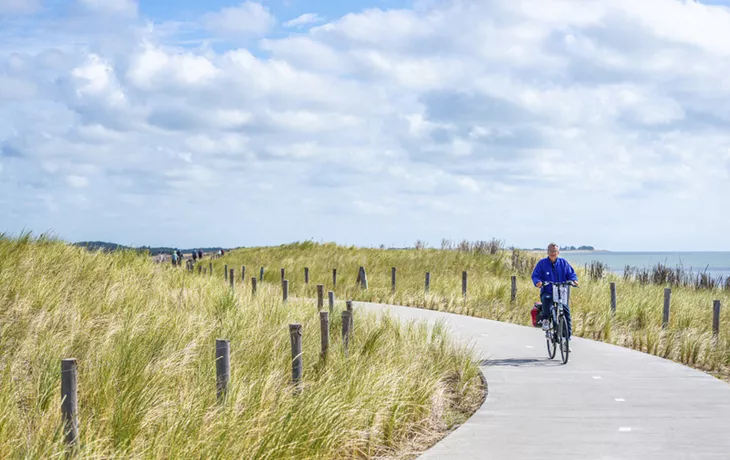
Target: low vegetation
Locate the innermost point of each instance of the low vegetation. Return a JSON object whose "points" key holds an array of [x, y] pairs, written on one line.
{"points": [[144, 337], [637, 323]]}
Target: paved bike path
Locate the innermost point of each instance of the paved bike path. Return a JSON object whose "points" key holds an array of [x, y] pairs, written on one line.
{"points": [[607, 403]]}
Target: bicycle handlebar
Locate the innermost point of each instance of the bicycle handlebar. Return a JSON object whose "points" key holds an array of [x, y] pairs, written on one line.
{"points": [[560, 283]]}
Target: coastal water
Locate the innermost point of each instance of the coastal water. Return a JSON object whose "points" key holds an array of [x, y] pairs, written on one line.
{"points": [[714, 263]]}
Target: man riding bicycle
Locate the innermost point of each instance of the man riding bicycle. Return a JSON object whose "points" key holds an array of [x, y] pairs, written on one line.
{"points": [[558, 270]]}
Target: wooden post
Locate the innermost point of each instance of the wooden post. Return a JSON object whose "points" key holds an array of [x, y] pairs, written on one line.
{"points": [[346, 321], [69, 401], [243, 273], [667, 301], [200, 269], [716, 318], [613, 299], [283, 271], [261, 275], [331, 298], [306, 275], [210, 268], [205, 271], [463, 284], [363, 278], [253, 285], [513, 295], [324, 328], [320, 296], [222, 367], [334, 277], [392, 279], [348, 306], [232, 278], [295, 333], [285, 289], [428, 281], [225, 272]]}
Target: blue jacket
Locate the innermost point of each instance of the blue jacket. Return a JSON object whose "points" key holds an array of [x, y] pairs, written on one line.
{"points": [[559, 272]]}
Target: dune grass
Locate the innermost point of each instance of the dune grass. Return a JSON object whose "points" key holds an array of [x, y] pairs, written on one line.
{"points": [[637, 324], [144, 337]]}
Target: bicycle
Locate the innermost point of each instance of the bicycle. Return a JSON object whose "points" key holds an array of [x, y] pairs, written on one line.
{"points": [[558, 330]]}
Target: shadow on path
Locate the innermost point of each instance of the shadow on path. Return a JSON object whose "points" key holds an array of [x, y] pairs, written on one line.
{"points": [[520, 362]]}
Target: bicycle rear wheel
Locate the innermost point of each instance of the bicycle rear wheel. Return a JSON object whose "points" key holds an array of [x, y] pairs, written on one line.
{"points": [[563, 339], [550, 344]]}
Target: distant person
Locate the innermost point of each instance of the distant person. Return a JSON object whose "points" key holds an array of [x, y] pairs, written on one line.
{"points": [[555, 269], [174, 258], [200, 254], [195, 256]]}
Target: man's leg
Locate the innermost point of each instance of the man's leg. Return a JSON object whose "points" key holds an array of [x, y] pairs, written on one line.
{"points": [[547, 304]]}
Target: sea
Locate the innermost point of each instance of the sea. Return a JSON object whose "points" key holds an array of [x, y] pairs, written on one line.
{"points": [[714, 264]]}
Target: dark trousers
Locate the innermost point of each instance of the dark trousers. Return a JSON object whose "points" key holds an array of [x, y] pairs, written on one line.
{"points": [[547, 304]]}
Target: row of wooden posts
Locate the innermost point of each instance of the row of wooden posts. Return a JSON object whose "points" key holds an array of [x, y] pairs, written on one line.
{"points": [[362, 281], [666, 310]]}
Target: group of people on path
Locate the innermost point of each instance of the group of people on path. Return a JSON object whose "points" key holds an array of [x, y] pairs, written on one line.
{"points": [[178, 257]]}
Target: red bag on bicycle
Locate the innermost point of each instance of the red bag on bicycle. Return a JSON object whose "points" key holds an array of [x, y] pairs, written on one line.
{"points": [[536, 314]]}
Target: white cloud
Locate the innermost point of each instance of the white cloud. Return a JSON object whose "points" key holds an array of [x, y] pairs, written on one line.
{"points": [[155, 68], [303, 20], [422, 123], [247, 19]]}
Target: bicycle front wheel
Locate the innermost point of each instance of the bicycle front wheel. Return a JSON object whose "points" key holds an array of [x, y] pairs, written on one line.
{"points": [[563, 339]]}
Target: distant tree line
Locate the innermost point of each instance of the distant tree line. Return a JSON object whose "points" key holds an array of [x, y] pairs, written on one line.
{"points": [[153, 251]]}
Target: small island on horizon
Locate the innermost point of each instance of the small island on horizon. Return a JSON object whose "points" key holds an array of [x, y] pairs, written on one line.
{"points": [[574, 249]]}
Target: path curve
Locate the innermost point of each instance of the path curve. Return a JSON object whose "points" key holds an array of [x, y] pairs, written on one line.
{"points": [[607, 403]]}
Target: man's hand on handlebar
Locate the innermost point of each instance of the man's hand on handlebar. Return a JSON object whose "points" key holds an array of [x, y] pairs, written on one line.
{"points": [[539, 284]]}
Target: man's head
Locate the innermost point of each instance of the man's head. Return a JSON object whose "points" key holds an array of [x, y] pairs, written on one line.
{"points": [[553, 250]]}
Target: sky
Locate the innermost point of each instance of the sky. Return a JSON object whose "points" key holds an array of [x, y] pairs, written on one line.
{"points": [[367, 122]]}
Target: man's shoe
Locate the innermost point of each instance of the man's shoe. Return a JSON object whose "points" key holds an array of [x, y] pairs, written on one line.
{"points": [[545, 325]]}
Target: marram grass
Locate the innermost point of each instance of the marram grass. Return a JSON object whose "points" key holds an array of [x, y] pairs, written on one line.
{"points": [[144, 337], [637, 324]]}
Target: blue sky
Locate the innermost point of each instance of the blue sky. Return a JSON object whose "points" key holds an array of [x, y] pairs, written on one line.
{"points": [[162, 10], [246, 123]]}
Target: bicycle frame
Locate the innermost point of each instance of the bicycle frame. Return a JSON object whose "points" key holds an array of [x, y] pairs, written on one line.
{"points": [[555, 334], [561, 298]]}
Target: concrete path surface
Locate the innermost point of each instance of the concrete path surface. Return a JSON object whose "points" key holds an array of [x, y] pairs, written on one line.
{"points": [[607, 403]]}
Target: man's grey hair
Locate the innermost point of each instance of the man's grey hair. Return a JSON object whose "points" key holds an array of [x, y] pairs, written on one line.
{"points": [[553, 245]]}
